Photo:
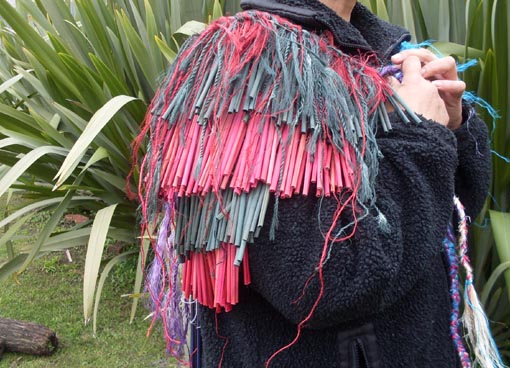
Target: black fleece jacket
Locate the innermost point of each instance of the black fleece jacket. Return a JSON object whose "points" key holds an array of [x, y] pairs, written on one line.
{"points": [[386, 301]]}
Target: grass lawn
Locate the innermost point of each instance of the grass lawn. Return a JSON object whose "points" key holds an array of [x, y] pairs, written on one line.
{"points": [[50, 293]]}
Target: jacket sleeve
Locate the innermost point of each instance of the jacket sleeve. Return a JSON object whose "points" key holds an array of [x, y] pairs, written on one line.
{"points": [[473, 174], [376, 267]]}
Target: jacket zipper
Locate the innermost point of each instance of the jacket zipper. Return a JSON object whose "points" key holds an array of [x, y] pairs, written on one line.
{"points": [[359, 357]]}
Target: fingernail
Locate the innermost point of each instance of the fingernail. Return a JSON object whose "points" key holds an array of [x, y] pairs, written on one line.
{"points": [[397, 56], [437, 83]]}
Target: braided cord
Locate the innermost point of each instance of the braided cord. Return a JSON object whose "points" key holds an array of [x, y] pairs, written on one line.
{"points": [[449, 247]]}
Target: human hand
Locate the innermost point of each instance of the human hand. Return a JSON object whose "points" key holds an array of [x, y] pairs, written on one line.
{"points": [[442, 72], [419, 93]]}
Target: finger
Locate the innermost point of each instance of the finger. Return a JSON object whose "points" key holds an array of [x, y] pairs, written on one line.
{"points": [[411, 69], [424, 55], [394, 82], [445, 68], [455, 88]]}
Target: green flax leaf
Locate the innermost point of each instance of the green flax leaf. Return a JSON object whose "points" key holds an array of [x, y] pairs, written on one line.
{"points": [[93, 258], [96, 124], [500, 222]]}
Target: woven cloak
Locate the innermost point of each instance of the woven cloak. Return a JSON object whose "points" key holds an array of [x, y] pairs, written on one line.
{"points": [[253, 107]]}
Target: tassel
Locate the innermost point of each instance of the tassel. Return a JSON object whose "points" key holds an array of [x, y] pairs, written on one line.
{"points": [[382, 222], [474, 319], [409, 46], [449, 247], [164, 288], [465, 66], [471, 98]]}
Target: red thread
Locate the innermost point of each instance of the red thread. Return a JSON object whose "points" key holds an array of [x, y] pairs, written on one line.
{"points": [[223, 338]]}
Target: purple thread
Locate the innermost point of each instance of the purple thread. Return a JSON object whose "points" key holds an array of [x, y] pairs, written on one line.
{"points": [[449, 246], [391, 71], [164, 274], [154, 281], [177, 319]]}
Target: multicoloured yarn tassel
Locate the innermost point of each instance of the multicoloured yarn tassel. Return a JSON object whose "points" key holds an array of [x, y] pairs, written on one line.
{"points": [[474, 319], [253, 107], [449, 247]]}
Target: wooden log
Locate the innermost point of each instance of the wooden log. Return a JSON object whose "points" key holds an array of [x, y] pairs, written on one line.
{"points": [[27, 337]]}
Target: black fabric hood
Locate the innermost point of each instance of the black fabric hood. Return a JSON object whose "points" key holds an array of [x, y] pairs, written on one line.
{"points": [[365, 31]]}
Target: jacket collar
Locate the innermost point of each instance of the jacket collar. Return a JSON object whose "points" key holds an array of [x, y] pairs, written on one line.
{"points": [[365, 32]]}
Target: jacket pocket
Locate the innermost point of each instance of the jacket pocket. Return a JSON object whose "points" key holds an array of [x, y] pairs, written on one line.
{"points": [[358, 348]]}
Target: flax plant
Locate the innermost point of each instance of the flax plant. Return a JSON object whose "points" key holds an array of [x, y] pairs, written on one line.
{"points": [[76, 78]]}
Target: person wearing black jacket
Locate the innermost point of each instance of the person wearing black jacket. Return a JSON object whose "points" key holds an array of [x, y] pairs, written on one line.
{"points": [[386, 300]]}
